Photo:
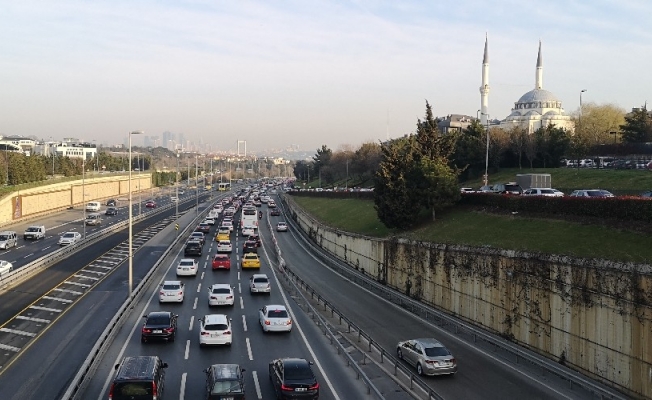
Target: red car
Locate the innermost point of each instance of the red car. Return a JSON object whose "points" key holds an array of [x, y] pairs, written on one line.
{"points": [[150, 204], [221, 261]]}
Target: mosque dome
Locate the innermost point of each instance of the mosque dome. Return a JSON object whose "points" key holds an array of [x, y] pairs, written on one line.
{"points": [[536, 96]]}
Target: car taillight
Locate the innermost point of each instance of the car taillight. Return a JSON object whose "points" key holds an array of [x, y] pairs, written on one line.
{"points": [[267, 322], [283, 387], [289, 322], [431, 362], [204, 333], [314, 387], [180, 293], [162, 293], [169, 330], [145, 330], [453, 361], [229, 297], [154, 391], [213, 298], [111, 391], [226, 333]]}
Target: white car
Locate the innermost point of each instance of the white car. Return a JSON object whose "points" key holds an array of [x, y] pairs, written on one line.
{"points": [[228, 224], [174, 199], [187, 267], [209, 221], [248, 231], [281, 227], [5, 267], [69, 238], [220, 294], [545, 192], [274, 318], [215, 329], [259, 283], [172, 291], [224, 246]]}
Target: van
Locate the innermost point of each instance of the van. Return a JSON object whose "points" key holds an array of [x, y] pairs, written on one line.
{"points": [[93, 206], [93, 219], [34, 232], [8, 239], [141, 378]]}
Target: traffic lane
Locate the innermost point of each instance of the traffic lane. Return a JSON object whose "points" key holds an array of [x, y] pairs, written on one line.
{"points": [[480, 375]]}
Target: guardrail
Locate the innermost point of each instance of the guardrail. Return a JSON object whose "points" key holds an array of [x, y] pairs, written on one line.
{"points": [[519, 353], [85, 372]]}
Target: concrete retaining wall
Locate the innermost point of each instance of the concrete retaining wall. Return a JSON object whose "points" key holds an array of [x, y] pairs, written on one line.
{"points": [[593, 315]]}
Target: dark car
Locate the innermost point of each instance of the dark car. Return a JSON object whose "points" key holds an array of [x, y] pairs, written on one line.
{"points": [[275, 212], [193, 248], [150, 204], [225, 381], [112, 203], [111, 211], [647, 195], [159, 325], [250, 246], [255, 238], [141, 378], [293, 378], [508, 188], [203, 228]]}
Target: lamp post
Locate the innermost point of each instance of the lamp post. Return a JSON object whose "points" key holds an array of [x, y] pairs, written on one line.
{"points": [[176, 206], [84, 193], [486, 159], [346, 185], [196, 187], [52, 153], [131, 220]]}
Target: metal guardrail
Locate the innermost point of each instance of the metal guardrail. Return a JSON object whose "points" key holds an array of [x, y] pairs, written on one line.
{"points": [[574, 378]]}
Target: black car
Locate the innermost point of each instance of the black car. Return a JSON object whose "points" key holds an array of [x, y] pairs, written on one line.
{"points": [[111, 211], [112, 203], [293, 378], [255, 238], [225, 381], [193, 248], [139, 377], [250, 246], [275, 212], [203, 228], [159, 325]]}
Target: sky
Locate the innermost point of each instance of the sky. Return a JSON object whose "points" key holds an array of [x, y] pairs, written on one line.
{"points": [[302, 72]]}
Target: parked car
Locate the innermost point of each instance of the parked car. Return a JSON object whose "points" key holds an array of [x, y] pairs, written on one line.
{"points": [[172, 291], [292, 378], [467, 190], [187, 267], [592, 193], [274, 318], [221, 261], [69, 238], [225, 381], [428, 356], [215, 329], [486, 189], [507, 188], [141, 377], [221, 294], [647, 195], [259, 283], [159, 325]]}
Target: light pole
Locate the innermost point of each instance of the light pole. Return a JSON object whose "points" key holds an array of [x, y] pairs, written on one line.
{"points": [[131, 220], [196, 187], [52, 153], [84, 193], [486, 159], [346, 185], [176, 206]]}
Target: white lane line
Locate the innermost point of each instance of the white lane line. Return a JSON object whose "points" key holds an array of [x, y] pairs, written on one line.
{"points": [[238, 275], [45, 308], [239, 288], [45, 248], [17, 332], [194, 306], [187, 353], [202, 274], [259, 394], [66, 301], [182, 391], [192, 321], [241, 303], [251, 356], [45, 321], [10, 348], [29, 255], [244, 323], [198, 287]]}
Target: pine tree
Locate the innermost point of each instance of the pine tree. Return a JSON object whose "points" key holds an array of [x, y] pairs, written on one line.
{"points": [[637, 127]]}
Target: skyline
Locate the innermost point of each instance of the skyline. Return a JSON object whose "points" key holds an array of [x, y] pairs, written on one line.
{"points": [[306, 73]]}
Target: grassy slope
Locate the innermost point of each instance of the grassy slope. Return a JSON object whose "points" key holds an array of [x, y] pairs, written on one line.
{"points": [[479, 229]]}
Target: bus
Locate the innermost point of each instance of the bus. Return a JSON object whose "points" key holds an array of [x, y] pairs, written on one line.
{"points": [[249, 217], [226, 186]]}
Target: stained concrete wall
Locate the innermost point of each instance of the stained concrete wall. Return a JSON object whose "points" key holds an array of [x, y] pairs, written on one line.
{"points": [[596, 315]]}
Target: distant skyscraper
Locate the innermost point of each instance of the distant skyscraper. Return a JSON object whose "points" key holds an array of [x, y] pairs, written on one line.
{"points": [[182, 140]]}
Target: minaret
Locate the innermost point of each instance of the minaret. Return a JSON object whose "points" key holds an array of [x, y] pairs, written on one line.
{"points": [[538, 84], [484, 89]]}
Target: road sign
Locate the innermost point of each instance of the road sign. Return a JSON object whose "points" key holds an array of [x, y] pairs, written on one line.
{"points": [[176, 227]]}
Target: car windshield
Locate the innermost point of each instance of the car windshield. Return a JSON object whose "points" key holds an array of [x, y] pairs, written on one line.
{"points": [[216, 327], [3, 237], [69, 235], [221, 290], [277, 314], [261, 280], [437, 351], [547, 191], [221, 257], [172, 287], [188, 263], [251, 257], [298, 372], [32, 229]]}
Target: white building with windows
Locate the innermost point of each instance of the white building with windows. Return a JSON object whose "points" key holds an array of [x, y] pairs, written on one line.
{"points": [[17, 144]]}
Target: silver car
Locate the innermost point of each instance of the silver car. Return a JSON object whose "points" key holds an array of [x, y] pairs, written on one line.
{"points": [[259, 283], [428, 356]]}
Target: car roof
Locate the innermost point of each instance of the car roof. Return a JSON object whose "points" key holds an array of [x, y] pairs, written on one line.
{"points": [[225, 371], [221, 286], [188, 259], [159, 314], [251, 255], [259, 276], [295, 362], [222, 256], [429, 342], [275, 307], [216, 319], [172, 282]]}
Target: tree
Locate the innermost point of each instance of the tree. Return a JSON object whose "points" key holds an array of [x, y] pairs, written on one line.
{"points": [[365, 161], [322, 158], [637, 127], [530, 148], [469, 156], [598, 121], [518, 139], [438, 184]]}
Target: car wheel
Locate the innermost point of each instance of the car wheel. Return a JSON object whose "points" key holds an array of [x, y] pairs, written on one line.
{"points": [[399, 354], [172, 337], [419, 369]]}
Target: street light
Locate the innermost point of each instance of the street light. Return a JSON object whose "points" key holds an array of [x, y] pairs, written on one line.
{"points": [[176, 206], [84, 193], [486, 159], [131, 220], [196, 187]]}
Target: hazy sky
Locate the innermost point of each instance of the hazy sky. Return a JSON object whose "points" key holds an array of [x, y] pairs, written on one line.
{"points": [[276, 73]]}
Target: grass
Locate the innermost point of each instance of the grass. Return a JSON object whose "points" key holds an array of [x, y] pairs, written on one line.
{"points": [[568, 179], [473, 228]]}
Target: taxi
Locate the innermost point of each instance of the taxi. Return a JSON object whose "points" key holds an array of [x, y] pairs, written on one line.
{"points": [[223, 233], [250, 260]]}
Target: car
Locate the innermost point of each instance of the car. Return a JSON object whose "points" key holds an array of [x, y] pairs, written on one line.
{"points": [[225, 381], [274, 318], [111, 203], [93, 206], [259, 283], [248, 231], [111, 211], [220, 294], [181, 192], [209, 221], [428, 356], [215, 329], [223, 235], [69, 238], [172, 291], [193, 248], [507, 188], [221, 261], [292, 378], [275, 212], [159, 325], [227, 223], [281, 227], [93, 219], [647, 195], [199, 236], [5, 267], [150, 204], [224, 246], [8, 239], [250, 246], [203, 228], [592, 193], [545, 192], [34, 232], [257, 203], [467, 190], [250, 260], [174, 199], [271, 204], [256, 238], [141, 377], [187, 267]]}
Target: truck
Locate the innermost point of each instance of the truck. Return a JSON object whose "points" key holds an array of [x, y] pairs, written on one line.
{"points": [[34, 232], [534, 181]]}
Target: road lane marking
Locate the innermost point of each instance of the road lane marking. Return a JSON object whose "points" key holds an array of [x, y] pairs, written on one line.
{"points": [[187, 353], [251, 356], [198, 287], [239, 288], [259, 394], [202, 274], [244, 323], [182, 391], [192, 321], [45, 321], [238, 275], [194, 306], [43, 249], [10, 348], [241, 303], [29, 255], [17, 332], [59, 299], [45, 308]]}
